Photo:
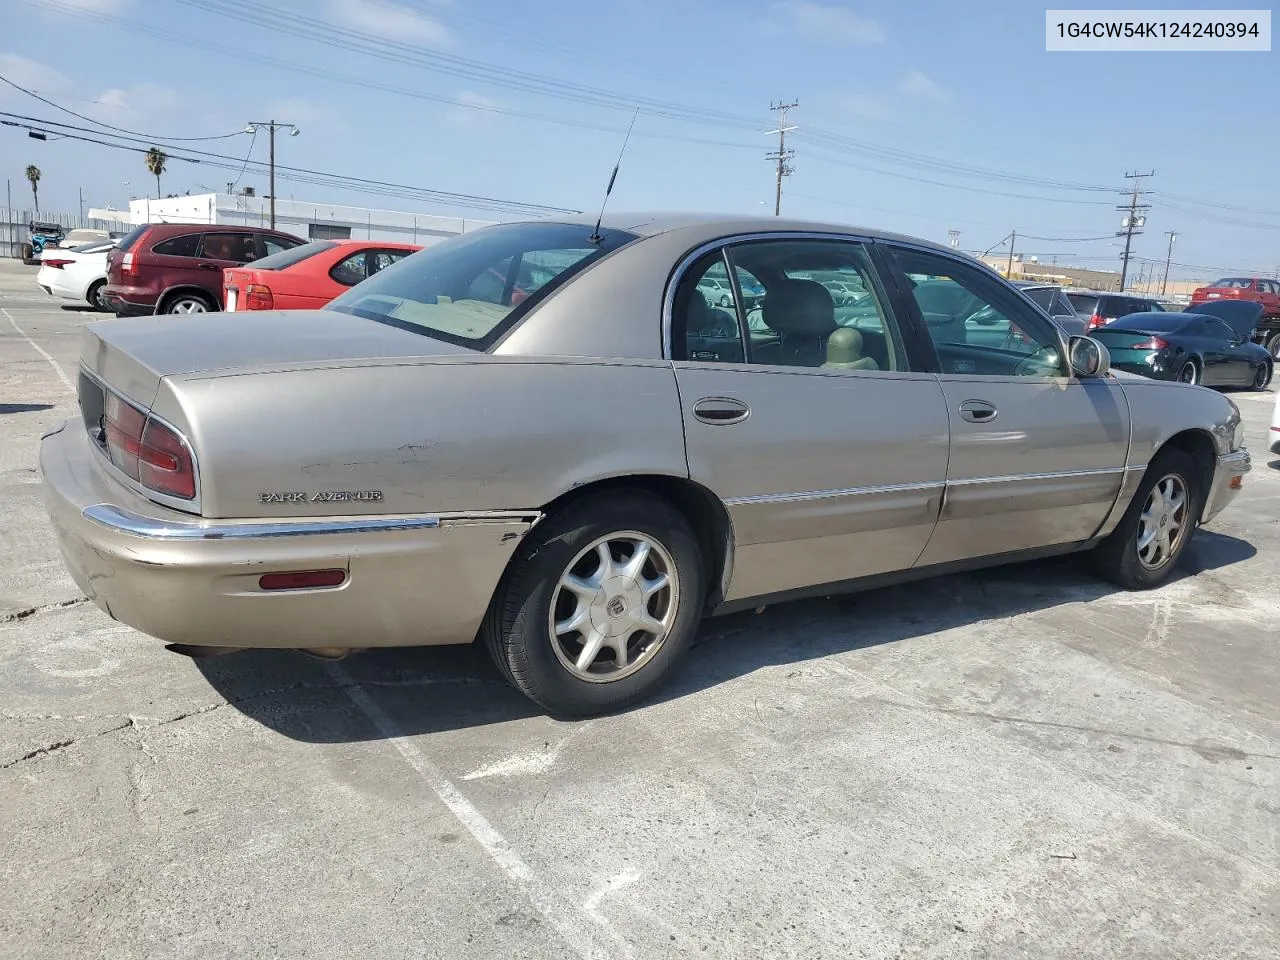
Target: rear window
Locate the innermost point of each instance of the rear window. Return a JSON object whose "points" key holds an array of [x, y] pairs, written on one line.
{"points": [[287, 258], [473, 288], [178, 246], [1150, 322], [1237, 283], [1081, 303], [132, 237]]}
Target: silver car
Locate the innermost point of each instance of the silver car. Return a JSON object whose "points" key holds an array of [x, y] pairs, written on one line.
{"points": [[542, 436]]}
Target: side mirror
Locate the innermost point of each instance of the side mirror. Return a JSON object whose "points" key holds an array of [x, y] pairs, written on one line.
{"points": [[1089, 358]]}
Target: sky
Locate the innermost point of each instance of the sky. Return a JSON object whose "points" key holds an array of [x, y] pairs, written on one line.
{"points": [[920, 116]]}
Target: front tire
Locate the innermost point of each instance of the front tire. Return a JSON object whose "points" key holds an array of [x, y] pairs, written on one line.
{"points": [[598, 604], [1150, 538], [1273, 347], [1262, 379]]}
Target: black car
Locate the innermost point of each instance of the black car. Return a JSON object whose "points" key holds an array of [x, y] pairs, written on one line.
{"points": [[1099, 309], [1210, 346]]}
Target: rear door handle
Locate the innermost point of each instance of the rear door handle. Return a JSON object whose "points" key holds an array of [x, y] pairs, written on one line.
{"points": [[208, 266], [978, 411], [721, 410]]}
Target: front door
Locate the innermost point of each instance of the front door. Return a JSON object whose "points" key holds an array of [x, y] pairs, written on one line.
{"points": [[1037, 456], [812, 423]]}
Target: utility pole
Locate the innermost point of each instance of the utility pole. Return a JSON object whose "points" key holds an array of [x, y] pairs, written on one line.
{"points": [[1164, 284], [272, 126], [1134, 222], [782, 155], [1013, 240]]}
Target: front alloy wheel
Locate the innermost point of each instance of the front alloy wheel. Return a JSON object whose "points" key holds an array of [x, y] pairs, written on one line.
{"points": [[1162, 522]]}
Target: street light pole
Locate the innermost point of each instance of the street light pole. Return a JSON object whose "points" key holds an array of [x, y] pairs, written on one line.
{"points": [[1168, 257], [272, 126]]}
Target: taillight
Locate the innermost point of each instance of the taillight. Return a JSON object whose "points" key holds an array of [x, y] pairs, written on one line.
{"points": [[56, 264], [147, 451], [1095, 322], [1155, 343], [258, 297], [129, 265]]}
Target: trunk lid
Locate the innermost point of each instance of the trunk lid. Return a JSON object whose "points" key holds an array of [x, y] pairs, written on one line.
{"points": [[1241, 316], [134, 355], [1115, 340]]}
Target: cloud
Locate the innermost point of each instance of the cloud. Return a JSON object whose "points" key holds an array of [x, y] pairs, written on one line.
{"points": [[920, 87], [134, 103], [474, 108], [824, 22], [390, 20], [32, 75]]}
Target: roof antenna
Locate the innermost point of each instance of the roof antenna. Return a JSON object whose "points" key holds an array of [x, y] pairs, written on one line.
{"points": [[595, 234]]}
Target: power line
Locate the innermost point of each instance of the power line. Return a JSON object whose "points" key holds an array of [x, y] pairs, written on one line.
{"points": [[80, 116]]}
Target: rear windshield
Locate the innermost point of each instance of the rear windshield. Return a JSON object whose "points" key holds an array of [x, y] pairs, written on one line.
{"points": [[1238, 283], [1149, 322], [1082, 303], [132, 237], [471, 289], [287, 258]]}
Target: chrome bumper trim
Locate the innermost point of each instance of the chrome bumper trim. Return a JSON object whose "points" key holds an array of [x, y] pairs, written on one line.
{"points": [[148, 528]]}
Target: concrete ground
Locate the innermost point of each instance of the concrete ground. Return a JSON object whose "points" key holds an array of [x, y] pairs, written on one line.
{"points": [[1018, 763]]}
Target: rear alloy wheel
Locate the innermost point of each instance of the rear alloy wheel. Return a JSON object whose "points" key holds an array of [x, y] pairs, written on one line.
{"points": [[94, 296], [598, 604], [1262, 379], [187, 303], [1273, 347], [1146, 544], [1189, 373]]}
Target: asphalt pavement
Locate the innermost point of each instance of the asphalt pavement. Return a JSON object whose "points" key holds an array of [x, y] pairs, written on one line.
{"points": [[1018, 763]]}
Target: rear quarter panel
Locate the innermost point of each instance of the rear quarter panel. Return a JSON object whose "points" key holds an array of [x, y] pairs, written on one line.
{"points": [[463, 433]]}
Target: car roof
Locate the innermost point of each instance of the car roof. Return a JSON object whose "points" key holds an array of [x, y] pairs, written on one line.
{"points": [[713, 225], [211, 228]]}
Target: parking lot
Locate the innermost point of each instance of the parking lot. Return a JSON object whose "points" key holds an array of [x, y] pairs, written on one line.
{"points": [[1017, 763]]}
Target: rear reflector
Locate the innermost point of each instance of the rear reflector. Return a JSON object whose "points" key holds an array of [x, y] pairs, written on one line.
{"points": [[1237, 482], [302, 580]]}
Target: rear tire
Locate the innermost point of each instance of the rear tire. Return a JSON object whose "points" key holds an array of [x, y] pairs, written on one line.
{"points": [[184, 303], [94, 296], [1189, 372], [558, 598], [1133, 556], [27, 252], [1273, 347]]}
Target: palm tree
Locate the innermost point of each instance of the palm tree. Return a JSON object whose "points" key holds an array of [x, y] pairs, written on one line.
{"points": [[33, 175], [155, 163]]}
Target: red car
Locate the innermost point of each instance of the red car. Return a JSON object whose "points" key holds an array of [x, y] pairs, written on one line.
{"points": [[309, 276], [177, 267], [1258, 289]]}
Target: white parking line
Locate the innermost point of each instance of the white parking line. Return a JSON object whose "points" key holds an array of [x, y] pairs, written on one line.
{"points": [[581, 937], [41, 350]]}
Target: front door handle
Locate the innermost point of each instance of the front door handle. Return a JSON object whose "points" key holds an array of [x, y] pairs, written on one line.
{"points": [[721, 410], [978, 411]]}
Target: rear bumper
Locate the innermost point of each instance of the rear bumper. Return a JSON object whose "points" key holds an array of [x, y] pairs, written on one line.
{"points": [[1227, 477], [410, 580], [129, 301]]}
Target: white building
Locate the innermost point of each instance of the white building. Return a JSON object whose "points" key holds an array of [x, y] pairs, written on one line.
{"points": [[311, 221]]}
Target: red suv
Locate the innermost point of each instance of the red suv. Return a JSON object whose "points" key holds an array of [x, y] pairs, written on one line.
{"points": [[177, 267]]}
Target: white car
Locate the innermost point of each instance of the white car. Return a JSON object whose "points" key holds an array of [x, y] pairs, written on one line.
{"points": [[78, 275], [1275, 426]]}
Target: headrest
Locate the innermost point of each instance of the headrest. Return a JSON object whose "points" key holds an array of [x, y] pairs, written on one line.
{"points": [[799, 307], [844, 346]]}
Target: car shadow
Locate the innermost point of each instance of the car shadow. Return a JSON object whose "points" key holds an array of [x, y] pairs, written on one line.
{"points": [[23, 407], [433, 689]]}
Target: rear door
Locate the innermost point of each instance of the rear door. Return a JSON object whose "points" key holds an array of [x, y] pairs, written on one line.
{"points": [[1037, 455], [826, 443], [216, 252]]}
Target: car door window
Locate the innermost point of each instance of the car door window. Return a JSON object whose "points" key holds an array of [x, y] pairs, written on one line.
{"points": [[1220, 331], [272, 245], [381, 259], [978, 325], [229, 247], [185, 246], [350, 271], [794, 303]]}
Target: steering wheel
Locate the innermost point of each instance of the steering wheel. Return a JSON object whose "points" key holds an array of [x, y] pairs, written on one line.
{"points": [[1042, 363]]}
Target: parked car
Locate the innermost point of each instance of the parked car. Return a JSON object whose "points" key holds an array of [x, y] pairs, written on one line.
{"points": [[82, 235], [717, 291], [177, 267], [1208, 344], [1099, 309], [40, 234], [77, 274], [1261, 290], [577, 475], [309, 276], [1053, 301]]}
